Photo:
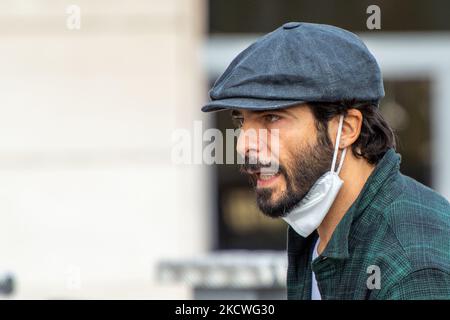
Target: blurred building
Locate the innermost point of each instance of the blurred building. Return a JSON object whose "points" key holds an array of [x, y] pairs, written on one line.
{"points": [[89, 198]]}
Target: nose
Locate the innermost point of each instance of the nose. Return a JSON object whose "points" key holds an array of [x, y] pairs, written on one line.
{"points": [[251, 143], [246, 143]]}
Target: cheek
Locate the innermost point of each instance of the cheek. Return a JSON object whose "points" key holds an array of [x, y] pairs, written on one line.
{"points": [[288, 145], [292, 148], [296, 139]]}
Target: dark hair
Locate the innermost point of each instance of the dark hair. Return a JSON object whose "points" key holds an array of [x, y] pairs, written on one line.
{"points": [[376, 135]]}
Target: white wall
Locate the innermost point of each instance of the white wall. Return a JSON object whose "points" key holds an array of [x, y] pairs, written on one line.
{"points": [[89, 199]]}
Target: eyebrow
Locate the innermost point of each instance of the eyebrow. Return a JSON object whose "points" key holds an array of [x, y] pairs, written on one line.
{"points": [[235, 113], [289, 112]]}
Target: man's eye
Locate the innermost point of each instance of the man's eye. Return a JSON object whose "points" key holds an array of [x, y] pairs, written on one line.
{"points": [[238, 121], [271, 118]]}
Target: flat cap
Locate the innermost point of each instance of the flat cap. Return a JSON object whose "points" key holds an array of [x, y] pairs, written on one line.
{"points": [[297, 63]]}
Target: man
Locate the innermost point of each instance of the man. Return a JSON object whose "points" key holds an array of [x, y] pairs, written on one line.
{"points": [[358, 228]]}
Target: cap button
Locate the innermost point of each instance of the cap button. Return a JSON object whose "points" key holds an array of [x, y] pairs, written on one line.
{"points": [[291, 25]]}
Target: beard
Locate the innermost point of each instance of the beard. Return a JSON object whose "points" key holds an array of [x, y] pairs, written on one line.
{"points": [[306, 166]]}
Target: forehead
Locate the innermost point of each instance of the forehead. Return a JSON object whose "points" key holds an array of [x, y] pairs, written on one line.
{"points": [[243, 112], [292, 111]]}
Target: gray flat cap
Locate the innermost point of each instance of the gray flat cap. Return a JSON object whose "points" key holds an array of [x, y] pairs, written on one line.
{"points": [[298, 62]]}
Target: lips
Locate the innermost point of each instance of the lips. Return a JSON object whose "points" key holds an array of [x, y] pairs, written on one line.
{"points": [[266, 176], [265, 179], [262, 176]]}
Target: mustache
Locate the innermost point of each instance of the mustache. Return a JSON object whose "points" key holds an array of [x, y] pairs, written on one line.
{"points": [[252, 165]]}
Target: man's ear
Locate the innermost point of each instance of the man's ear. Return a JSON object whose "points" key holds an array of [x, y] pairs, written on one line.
{"points": [[351, 127]]}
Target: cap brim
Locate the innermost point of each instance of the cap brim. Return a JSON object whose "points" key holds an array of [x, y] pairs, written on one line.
{"points": [[248, 103]]}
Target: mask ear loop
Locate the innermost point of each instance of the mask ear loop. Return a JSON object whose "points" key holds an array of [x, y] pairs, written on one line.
{"points": [[336, 147], [341, 162]]}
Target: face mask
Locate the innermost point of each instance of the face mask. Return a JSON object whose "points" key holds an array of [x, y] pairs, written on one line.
{"points": [[308, 214]]}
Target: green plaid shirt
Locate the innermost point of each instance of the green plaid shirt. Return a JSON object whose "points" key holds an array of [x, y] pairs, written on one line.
{"points": [[397, 230]]}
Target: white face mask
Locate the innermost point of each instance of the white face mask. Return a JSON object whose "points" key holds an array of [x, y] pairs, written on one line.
{"points": [[309, 213]]}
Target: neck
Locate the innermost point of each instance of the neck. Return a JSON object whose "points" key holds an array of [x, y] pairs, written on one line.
{"points": [[354, 173]]}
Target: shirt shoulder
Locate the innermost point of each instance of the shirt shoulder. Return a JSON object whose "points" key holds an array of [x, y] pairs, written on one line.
{"points": [[419, 219], [424, 284]]}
